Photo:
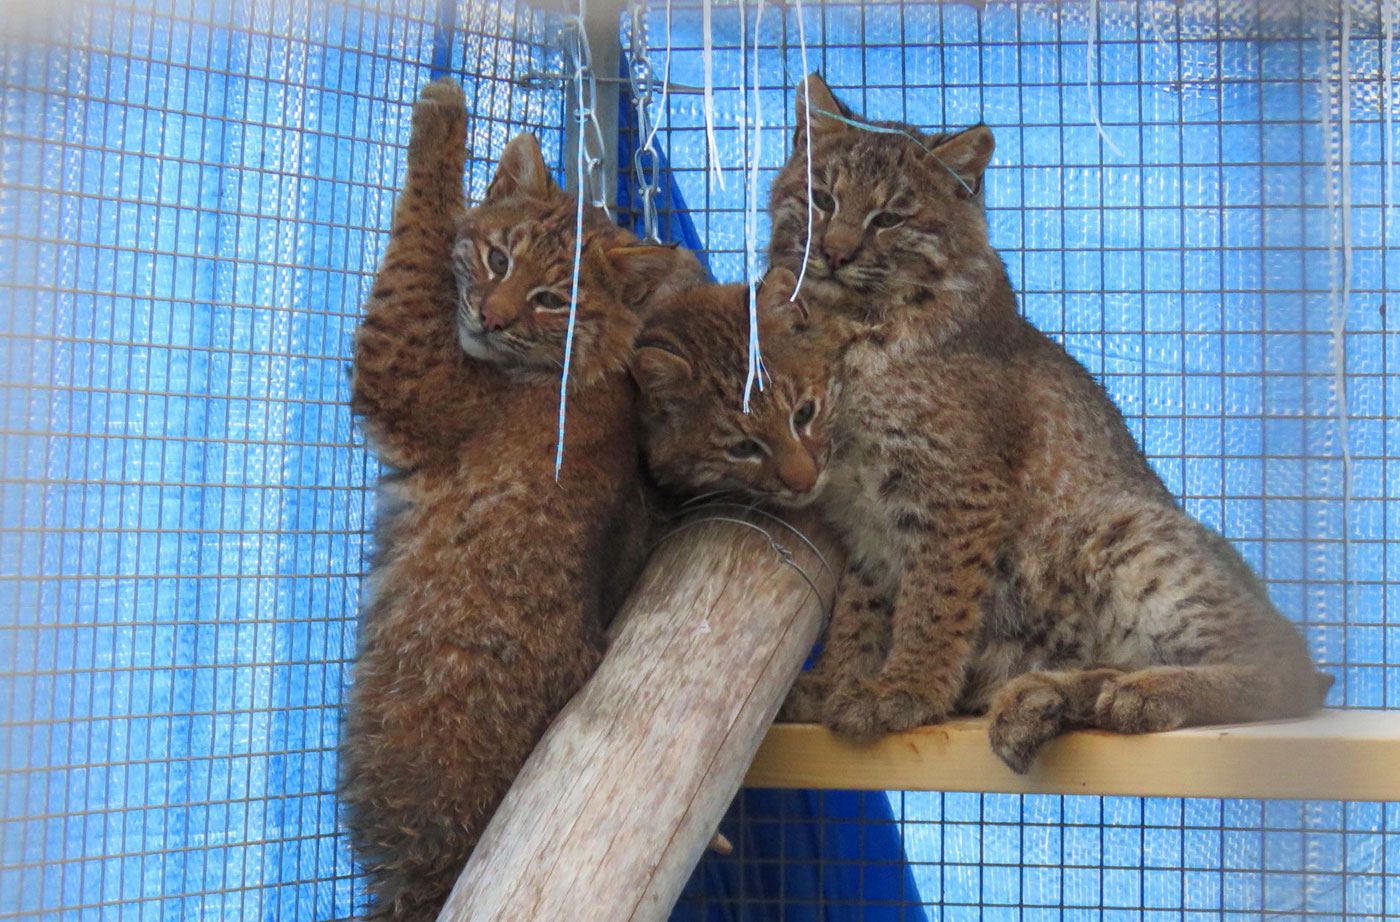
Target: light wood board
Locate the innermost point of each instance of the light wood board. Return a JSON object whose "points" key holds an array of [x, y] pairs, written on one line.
{"points": [[1336, 755]]}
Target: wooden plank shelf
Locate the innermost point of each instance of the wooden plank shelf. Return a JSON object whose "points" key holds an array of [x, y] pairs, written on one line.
{"points": [[1336, 755]]}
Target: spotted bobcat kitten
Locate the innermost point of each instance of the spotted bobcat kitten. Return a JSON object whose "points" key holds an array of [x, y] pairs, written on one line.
{"points": [[485, 606], [690, 365], [1010, 548]]}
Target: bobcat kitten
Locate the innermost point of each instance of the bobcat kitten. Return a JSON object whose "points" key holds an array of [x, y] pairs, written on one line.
{"points": [[486, 604], [1010, 549], [691, 365]]}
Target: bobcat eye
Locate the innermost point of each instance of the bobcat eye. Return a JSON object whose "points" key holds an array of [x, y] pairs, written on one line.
{"points": [[803, 414], [823, 200], [497, 261], [745, 449], [887, 219], [549, 301]]}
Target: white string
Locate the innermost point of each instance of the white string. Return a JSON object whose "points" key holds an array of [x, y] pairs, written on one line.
{"points": [[742, 120], [751, 232], [665, 82], [881, 129], [641, 77], [709, 56], [807, 147], [1336, 153], [1387, 101], [1343, 306], [1091, 68], [582, 59]]}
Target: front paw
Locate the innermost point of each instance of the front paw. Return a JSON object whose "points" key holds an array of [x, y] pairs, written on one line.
{"points": [[901, 708], [804, 702], [866, 708], [1138, 703], [851, 709], [1027, 713], [439, 123], [446, 91]]}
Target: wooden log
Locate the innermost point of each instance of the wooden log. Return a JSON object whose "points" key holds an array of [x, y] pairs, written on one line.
{"points": [[610, 814]]}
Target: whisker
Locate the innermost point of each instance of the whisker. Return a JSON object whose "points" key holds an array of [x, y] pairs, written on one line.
{"points": [[717, 495]]}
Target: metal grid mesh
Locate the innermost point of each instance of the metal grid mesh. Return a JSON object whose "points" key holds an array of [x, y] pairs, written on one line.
{"points": [[191, 202], [1190, 254], [194, 197], [803, 855], [1198, 252]]}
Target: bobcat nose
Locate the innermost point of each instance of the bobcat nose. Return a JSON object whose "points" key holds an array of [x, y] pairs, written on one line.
{"points": [[839, 253], [798, 472], [492, 321]]}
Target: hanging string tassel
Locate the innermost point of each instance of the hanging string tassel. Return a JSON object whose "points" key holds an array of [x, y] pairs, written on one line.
{"points": [[709, 55], [1388, 10], [1091, 69], [807, 146], [583, 114], [755, 363]]}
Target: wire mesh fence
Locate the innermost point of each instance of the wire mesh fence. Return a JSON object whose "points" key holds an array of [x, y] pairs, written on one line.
{"points": [[194, 197], [1197, 197]]}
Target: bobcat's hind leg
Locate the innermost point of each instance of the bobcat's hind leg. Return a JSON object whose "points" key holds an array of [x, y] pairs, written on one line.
{"points": [[1032, 709]]}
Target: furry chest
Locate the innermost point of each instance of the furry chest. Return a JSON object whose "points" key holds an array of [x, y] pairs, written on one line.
{"points": [[855, 504]]}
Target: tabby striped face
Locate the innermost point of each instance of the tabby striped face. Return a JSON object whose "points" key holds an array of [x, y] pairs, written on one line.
{"points": [[691, 364], [514, 280], [514, 265], [888, 210]]}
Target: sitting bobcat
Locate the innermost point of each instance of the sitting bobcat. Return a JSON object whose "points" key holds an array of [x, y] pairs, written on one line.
{"points": [[1010, 549]]}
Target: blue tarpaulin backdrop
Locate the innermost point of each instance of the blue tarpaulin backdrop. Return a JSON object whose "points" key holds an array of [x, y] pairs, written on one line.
{"points": [[1197, 197]]}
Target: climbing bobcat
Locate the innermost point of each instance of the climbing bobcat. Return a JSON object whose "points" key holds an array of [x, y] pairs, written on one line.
{"points": [[484, 610]]}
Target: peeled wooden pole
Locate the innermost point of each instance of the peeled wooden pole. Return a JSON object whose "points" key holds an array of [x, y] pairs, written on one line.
{"points": [[612, 811]]}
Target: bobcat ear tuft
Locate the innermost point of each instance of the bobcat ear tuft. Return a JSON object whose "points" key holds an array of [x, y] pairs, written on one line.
{"points": [[826, 111], [967, 154], [522, 171], [776, 303], [658, 370]]}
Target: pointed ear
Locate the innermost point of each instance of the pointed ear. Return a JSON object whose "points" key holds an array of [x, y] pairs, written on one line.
{"points": [[641, 270], [659, 370], [522, 171], [967, 154], [814, 93], [776, 303]]}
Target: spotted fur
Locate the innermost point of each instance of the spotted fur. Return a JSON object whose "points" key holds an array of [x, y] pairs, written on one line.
{"points": [[1010, 549], [484, 611], [691, 365]]}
